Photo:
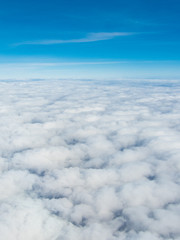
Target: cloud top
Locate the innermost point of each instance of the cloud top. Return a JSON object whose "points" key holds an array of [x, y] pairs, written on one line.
{"points": [[88, 160]]}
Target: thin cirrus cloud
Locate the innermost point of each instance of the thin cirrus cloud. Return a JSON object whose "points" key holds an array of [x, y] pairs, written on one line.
{"points": [[91, 37]]}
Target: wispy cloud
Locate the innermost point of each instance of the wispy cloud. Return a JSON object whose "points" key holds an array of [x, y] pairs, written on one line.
{"points": [[91, 37], [54, 64]]}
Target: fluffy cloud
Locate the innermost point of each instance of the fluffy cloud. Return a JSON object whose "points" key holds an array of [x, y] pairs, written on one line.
{"points": [[87, 160]]}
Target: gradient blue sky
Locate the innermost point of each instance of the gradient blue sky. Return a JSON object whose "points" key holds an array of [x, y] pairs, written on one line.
{"points": [[90, 39]]}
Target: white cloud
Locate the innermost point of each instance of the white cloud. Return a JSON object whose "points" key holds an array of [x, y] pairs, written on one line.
{"points": [[91, 37], [87, 160]]}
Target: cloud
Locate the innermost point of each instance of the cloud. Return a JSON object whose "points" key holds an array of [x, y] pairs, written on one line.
{"points": [[91, 37], [88, 160], [55, 64]]}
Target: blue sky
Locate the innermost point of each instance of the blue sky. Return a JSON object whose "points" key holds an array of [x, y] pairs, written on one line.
{"points": [[90, 39]]}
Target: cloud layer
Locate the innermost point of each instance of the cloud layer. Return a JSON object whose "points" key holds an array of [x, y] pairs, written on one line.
{"points": [[89, 160]]}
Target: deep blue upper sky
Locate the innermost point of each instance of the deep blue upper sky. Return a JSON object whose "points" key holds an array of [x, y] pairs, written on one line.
{"points": [[117, 38]]}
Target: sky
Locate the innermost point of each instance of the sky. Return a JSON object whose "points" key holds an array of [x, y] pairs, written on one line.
{"points": [[89, 39], [84, 159]]}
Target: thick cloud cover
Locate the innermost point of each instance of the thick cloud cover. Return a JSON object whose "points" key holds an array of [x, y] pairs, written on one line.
{"points": [[89, 160]]}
